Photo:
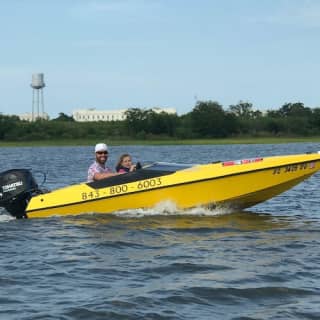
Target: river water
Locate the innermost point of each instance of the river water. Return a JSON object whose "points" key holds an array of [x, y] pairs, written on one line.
{"points": [[262, 263]]}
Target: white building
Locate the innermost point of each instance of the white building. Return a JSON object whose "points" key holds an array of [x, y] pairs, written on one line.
{"points": [[87, 115], [33, 117], [166, 110]]}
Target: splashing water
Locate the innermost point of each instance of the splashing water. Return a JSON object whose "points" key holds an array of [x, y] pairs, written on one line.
{"points": [[169, 208], [163, 208], [5, 217]]}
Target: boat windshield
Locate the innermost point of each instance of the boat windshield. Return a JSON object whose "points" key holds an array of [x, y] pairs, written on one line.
{"points": [[166, 166]]}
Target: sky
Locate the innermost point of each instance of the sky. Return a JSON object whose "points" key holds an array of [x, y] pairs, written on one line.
{"points": [[116, 54]]}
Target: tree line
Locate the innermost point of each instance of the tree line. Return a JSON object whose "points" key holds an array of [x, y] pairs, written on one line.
{"points": [[208, 119]]}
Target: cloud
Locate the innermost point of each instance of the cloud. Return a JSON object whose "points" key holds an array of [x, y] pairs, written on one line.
{"points": [[297, 13], [91, 43], [97, 8]]}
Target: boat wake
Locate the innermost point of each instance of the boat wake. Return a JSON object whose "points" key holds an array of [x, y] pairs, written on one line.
{"points": [[5, 217], [168, 208], [164, 208]]}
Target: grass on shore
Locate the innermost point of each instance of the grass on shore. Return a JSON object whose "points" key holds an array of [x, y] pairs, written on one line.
{"points": [[90, 142]]}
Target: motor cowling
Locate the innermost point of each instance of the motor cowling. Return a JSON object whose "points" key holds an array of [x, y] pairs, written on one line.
{"points": [[17, 186]]}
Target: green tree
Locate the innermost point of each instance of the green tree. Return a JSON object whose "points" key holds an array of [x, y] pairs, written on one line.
{"points": [[248, 120], [142, 122], [296, 109], [315, 120], [8, 125], [136, 120], [63, 117], [210, 120], [162, 123], [242, 110]]}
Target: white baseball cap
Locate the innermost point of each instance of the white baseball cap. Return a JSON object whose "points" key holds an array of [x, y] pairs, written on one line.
{"points": [[101, 147]]}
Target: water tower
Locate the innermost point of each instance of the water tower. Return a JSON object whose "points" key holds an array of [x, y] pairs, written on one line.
{"points": [[37, 85]]}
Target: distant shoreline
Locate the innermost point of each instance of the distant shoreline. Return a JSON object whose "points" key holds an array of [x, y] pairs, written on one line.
{"points": [[114, 142]]}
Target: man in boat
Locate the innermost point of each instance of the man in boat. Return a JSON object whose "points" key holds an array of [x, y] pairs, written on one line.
{"points": [[98, 169]]}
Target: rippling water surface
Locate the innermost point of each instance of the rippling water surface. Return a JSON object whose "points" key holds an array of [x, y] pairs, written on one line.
{"points": [[262, 263]]}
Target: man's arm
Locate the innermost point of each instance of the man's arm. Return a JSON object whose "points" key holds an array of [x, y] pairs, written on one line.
{"points": [[99, 176]]}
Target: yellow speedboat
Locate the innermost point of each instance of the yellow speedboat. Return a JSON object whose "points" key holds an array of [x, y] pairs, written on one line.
{"points": [[240, 184]]}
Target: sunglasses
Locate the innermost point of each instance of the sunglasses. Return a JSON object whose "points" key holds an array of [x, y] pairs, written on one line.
{"points": [[102, 152]]}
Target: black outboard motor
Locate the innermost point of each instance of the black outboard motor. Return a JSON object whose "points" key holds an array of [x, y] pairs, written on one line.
{"points": [[17, 186]]}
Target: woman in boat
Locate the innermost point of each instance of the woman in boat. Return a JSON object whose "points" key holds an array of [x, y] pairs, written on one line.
{"points": [[98, 169], [125, 164]]}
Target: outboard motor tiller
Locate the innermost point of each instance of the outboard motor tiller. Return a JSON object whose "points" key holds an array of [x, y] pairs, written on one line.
{"points": [[17, 186]]}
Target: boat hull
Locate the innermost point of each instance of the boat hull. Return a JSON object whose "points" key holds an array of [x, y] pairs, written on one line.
{"points": [[239, 184]]}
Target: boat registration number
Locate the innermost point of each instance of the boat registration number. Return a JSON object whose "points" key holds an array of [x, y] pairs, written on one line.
{"points": [[293, 168]]}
